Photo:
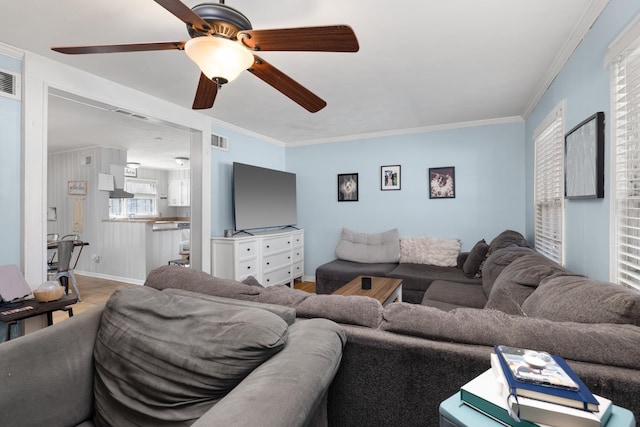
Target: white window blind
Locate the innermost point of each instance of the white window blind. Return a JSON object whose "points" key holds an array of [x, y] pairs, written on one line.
{"points": [[549, 186], [625, 89], [141, 186]]}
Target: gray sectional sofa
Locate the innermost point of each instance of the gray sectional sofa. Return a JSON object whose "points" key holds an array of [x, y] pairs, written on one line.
{"points": [[174, 358], [416, 278], [402, 360]]}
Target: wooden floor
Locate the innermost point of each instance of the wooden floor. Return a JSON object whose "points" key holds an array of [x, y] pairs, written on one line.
{"points": [[95, 291]]}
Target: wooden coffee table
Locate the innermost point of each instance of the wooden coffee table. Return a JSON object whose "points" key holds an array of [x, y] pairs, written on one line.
{"points": [[384, 289]]}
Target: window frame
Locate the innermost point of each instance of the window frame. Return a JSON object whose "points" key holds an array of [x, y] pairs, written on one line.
{"points": [[548, 191], [624, 58]]}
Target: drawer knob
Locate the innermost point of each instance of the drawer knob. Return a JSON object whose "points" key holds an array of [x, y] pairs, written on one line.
{"points": [[268, 263], [248, 249], [248, 267], [268, 280]]}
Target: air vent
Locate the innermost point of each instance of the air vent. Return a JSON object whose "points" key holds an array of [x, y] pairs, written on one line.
{"points": [[86, 161], [130, 114], [9, 84], [220, 142]]}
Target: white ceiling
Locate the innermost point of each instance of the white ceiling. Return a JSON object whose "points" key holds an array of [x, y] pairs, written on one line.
{"points": [[421, 64]]}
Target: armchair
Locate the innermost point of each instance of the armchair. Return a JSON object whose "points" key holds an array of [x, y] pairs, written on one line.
{"points": [[47, 377]]}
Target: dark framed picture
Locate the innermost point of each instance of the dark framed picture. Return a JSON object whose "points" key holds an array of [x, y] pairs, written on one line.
{"points": [[390, 177], [442, 183], [584, 159], [348, 187]]}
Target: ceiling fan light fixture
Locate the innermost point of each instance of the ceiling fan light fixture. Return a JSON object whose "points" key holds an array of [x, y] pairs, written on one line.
{"points": [[181, 161], [133, 165], [219, 58]]}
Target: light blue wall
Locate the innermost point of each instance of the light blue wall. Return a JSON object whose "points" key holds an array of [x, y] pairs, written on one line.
{"points": [[10, 172], [243, 149], [490, 180], [584, 84]]}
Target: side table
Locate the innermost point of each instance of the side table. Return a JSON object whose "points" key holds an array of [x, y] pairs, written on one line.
{"points": [[31, 308], [454, 413]]}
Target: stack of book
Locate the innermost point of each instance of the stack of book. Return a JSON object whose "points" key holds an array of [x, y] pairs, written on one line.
{"points": [[530, 388]]}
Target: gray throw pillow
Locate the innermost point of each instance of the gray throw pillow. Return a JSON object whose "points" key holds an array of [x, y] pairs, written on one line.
{"points": [[476, 256], [252, 281], [369, 248], [164, 359], [584, 300]]}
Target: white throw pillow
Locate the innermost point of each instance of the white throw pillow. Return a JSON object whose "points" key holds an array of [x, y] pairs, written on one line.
{"points": [[441, 252]]}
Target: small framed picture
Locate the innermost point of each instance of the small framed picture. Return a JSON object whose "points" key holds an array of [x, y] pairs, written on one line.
{"points": [[348, 187], [390, 177], [131, 172], [442, 183], [77, 188]]}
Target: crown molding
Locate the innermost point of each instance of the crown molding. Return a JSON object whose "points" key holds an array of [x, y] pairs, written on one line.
{"points": [[410, 131], [579, 32], [11, 51]]}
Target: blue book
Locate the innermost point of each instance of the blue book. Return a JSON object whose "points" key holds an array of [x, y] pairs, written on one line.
{"points": [[539, 375]]}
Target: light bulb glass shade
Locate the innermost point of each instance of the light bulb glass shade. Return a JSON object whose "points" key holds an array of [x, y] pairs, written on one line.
{"points": [[218, 57], [133, 165], [181, 161]]}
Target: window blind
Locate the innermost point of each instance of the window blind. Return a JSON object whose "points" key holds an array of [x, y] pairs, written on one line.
{"points": [[625, 88], [549, 187]]}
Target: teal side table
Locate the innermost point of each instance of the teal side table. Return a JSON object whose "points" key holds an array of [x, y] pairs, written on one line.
{"points": [[454, 413]]}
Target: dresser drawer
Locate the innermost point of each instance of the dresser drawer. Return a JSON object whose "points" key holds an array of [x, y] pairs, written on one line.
{"points": [[297, 254], [297, 270], [247, 249], [246, 268], [271, 262], [276, 244], [298, 239], [277, 277]]}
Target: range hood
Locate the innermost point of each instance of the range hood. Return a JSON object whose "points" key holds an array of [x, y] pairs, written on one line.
{"points": [[119, 193], [117, 171]]}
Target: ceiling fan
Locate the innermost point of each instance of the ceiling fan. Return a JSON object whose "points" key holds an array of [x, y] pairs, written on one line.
{"points": [[222, 42]]}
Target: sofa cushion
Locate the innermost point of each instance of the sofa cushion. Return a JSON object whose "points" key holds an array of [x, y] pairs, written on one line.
{"points": [[476, 256], [176, 277], [165, 359], [497, 261], [288, 314], [353, 310], [369, 248], [283, 295], [520, 279], [455, 293], [441, 252], [580, 299], [488, 327], [508, 238]]}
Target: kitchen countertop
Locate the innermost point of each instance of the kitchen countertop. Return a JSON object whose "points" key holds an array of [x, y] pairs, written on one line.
{"points": [[150, 220]]}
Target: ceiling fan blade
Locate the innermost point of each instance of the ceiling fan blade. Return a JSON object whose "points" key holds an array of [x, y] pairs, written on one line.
{"points": [[185, 14], [205, 94], [285, 84], [113, 48], [336, 38]]}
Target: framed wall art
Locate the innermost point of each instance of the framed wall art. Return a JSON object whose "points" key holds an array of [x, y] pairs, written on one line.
{"points": [[348, 187], [442, 183], [390, 177], [77, 188], [584, 159]]}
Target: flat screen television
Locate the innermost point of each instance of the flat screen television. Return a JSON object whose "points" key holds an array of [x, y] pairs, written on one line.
{"points": [[263, 198]]}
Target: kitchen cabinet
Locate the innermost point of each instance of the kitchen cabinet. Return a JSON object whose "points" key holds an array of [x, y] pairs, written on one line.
{"points": [[272, 258], [179, 192]]}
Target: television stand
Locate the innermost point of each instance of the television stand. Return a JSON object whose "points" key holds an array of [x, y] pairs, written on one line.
{"points": [[273, 258]]}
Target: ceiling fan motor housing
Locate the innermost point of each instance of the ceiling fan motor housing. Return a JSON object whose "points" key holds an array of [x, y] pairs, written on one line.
{"points": [[225, 20]]}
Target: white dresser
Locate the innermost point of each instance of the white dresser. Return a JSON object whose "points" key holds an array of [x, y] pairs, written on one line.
{"points": [[273, 258]]}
